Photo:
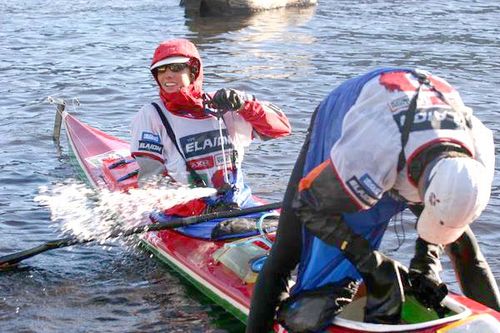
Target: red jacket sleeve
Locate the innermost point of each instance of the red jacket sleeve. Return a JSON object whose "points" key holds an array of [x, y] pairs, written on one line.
{"points": [[266, 118]]}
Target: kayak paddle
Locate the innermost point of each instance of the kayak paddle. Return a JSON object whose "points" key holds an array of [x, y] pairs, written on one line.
{"points": [[12, 259]]}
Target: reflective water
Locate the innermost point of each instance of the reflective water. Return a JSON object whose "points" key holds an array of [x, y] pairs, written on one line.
{"points": [[99, 51]]}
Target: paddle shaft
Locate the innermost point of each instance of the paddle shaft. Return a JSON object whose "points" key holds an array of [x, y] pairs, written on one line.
{"points": [[12, 259]]}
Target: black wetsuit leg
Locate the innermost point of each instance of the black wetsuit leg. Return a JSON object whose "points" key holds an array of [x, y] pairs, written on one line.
{"points": [[472, 271], [272, 283]]}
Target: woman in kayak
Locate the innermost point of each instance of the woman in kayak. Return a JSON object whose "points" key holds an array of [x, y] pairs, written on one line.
{"points": [[390, 139], [197, 138]]}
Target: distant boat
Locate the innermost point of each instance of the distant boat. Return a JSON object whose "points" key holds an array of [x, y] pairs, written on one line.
{"points": [[239, 7]]}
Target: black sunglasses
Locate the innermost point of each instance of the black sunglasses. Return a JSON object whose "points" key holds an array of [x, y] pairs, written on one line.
{"points": [[172, 67]]}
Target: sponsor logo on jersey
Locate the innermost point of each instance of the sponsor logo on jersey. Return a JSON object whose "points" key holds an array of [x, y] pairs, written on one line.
{"points": [[272, 107], [150, 146], [361, 192], [434, 118], [399, 104], [370, 186], [150, 137], [204, 143], [202, 163], [219, 158]]}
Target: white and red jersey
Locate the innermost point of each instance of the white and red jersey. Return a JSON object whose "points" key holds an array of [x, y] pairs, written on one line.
{"points": [[200, 142], [360, 126]]}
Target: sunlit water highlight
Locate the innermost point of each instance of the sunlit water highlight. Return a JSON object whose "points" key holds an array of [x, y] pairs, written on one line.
{"points": [[100, 52]]}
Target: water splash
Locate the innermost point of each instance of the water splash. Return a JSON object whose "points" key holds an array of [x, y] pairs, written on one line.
{"points": [[88, 213]]}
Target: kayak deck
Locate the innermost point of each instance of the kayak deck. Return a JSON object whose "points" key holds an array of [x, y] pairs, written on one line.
{"points": [[194, 258]]}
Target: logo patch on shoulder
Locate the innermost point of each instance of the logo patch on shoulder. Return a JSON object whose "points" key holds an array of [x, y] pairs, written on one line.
{"points": [[150, 137], [399, 104], [150, 146], [365, 189]]}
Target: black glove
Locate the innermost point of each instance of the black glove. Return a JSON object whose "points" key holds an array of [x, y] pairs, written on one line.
{"points": [[425, 282], [228, 100], [384, 283]]}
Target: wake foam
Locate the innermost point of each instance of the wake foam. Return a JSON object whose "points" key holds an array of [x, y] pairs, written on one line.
{"points": [[88, 213]]}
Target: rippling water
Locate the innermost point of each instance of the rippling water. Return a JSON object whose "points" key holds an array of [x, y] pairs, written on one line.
{"points": [[99, 52]]}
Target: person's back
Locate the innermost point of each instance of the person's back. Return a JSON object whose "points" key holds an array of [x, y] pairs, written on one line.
{"points": [[377, 143]]}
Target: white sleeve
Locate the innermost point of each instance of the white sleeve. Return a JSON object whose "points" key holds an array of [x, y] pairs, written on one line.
{"points": [[239, 129], [484, 147], [146, 133], [365, 157], [148, 169]]}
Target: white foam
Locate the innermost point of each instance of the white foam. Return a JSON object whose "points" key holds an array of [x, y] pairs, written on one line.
{"points": [[88, 213]]}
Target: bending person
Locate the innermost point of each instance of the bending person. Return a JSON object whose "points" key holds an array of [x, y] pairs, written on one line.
{"points": [[378, 143]]}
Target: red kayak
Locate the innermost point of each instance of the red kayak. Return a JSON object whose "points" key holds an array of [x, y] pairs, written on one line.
{"points": [[223, 270]]}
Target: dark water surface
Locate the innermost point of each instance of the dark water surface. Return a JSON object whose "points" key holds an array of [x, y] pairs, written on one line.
{"points": [[99, 52]]}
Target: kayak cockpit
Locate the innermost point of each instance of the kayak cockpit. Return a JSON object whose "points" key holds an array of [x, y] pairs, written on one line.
{"points": [[416, 317]]}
